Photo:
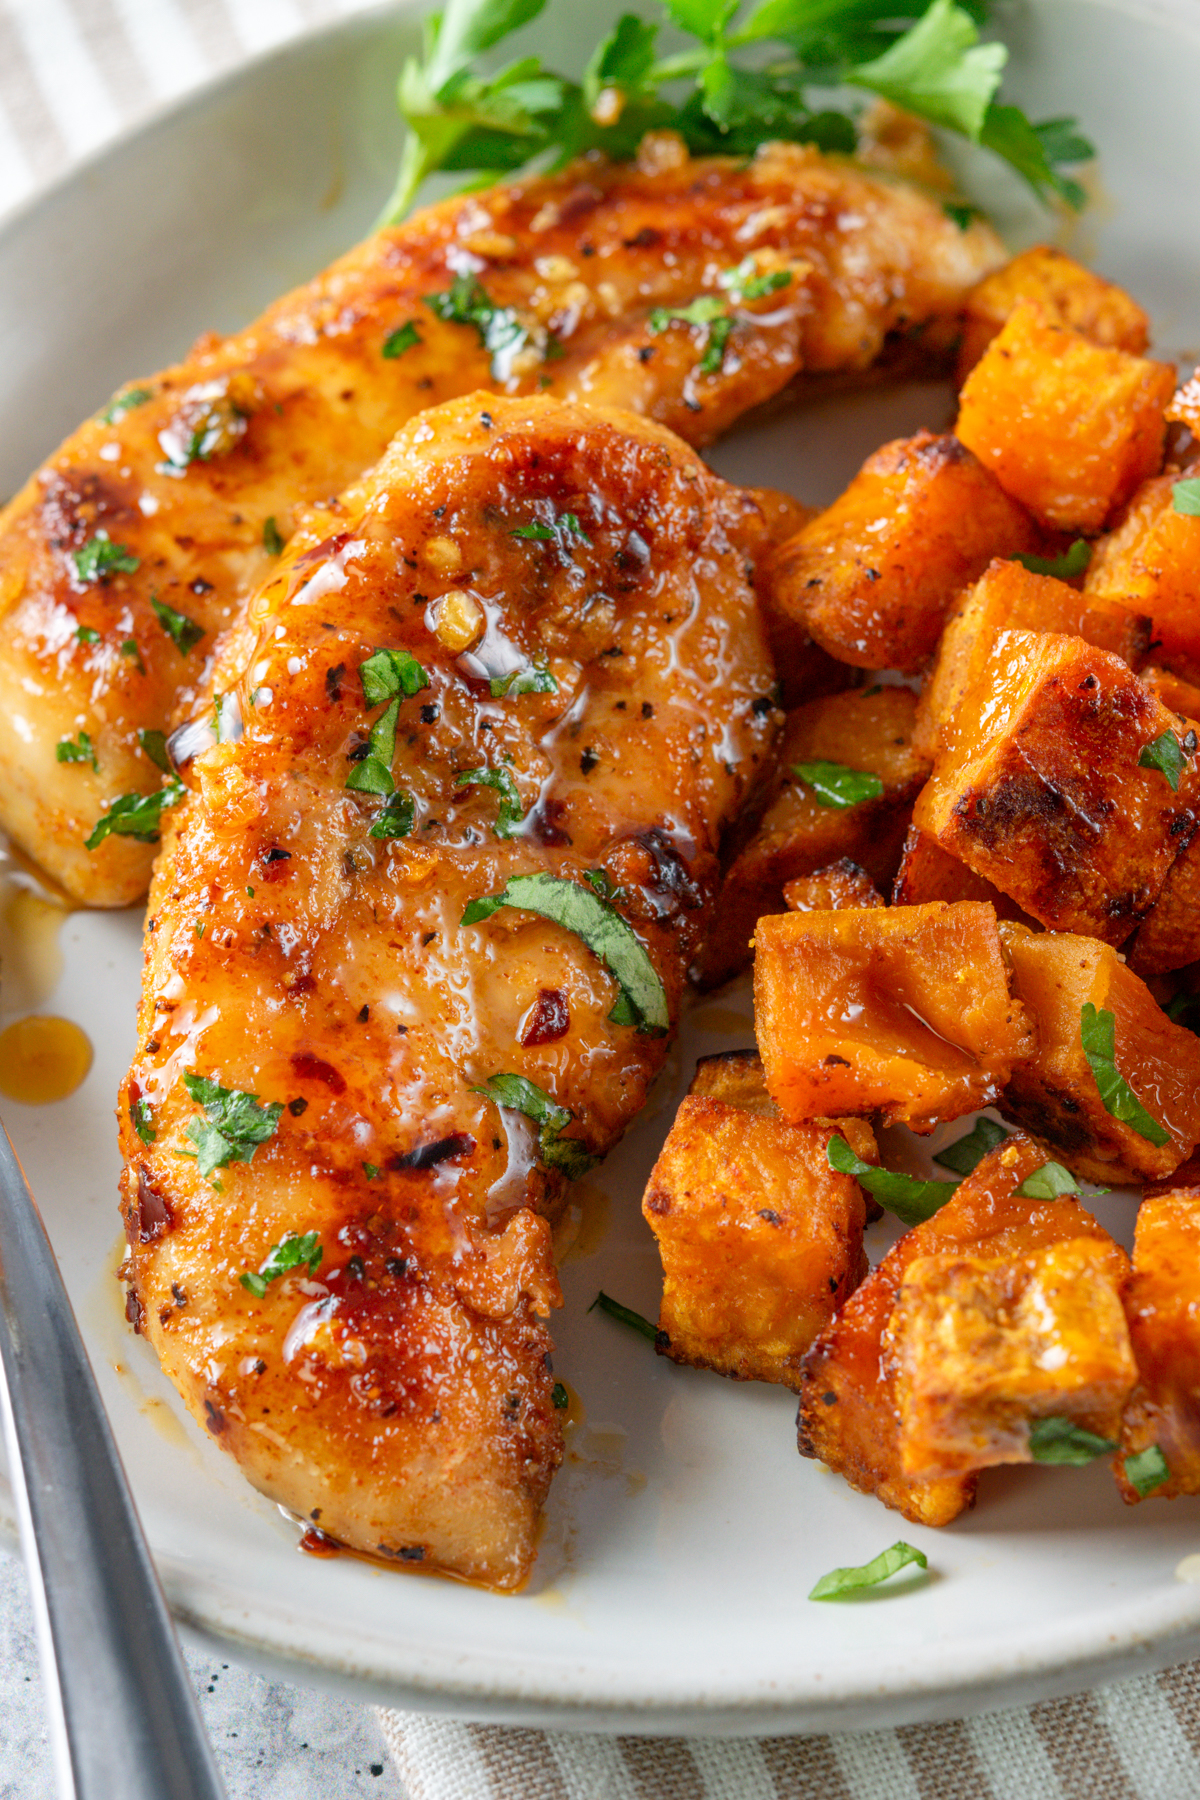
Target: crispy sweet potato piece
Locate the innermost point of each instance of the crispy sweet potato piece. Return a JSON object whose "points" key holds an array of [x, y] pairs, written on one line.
{"points": [[1054, 1093], [839, 885], [1147, 564], [847, 1403], [797, 834], [1043, 793], [1068, 294], [905, 1011], [978, 1350], [1161, 1303], [1007, 597], [873, 577], [1069, 429], [760, 1239], [927, 872]]}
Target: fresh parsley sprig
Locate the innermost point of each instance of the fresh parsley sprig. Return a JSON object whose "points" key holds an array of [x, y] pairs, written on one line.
{"points": [[746, 80], [136, 815], [235, 1123]]}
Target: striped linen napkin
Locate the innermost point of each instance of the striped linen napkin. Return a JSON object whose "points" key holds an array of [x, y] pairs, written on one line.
{"points": [[72, 73]]}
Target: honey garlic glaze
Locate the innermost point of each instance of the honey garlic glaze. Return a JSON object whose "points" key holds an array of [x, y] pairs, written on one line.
{"points": [[394, 1385]]}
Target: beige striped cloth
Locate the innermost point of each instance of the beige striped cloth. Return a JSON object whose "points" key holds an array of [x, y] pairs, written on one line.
{"points": [[72, 73]]}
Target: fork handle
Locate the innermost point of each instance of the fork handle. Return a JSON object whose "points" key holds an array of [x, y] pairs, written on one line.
{"points": [[124, 1721]]}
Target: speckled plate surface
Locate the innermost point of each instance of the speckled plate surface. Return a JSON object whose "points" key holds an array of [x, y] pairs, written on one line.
{"points": [[684, 1531]]}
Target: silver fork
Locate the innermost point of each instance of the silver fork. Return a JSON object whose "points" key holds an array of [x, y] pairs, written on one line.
{"points": [[124, 1722]]}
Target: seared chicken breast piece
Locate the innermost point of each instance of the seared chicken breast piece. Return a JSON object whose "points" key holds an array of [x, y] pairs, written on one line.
{"points": [[521, 660], [129, 552]]}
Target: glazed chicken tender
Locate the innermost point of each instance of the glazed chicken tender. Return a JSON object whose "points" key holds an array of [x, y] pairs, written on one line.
{"points": [[129, 552], [525, 662]]}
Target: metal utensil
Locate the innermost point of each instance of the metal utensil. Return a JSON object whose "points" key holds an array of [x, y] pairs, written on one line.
{"points": [[124, 1722]]}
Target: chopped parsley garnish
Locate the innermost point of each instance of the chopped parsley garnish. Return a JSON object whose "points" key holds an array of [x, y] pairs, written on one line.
{"points": [[627, 1316], [500, 331], [1166, 754], [125, 401], [911, 1200], [389, 673], [213, 425], [833, 784], [1185, 497], [183, 632], [1097, 1034], [371, 1171], [373, 774], [129, 648], [1184, 1009], [154, 745], [87, 634], [1058, 1440], [510, 814], [553, 531], [77, 750], [559, 1397], [840, 1582], [605, 886], [707, 311], [1146, 1470], [965, 1152], [743, 283], [963, 216], [396, 819], [569, 1155], [100, 557], [272, 541], [1048, 1182], [402, 339], [643, 999], [291, 1252], [740, 81], [136, 815], [141, 1117], [529, 680], [1072, 562], [234, 1123]]}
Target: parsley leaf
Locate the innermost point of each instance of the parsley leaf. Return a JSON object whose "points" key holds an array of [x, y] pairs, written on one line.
{"points": [[570, 1155], [396, 819], [466, 302], [388, 673], [154, 745], [840, 1582], [1072, 562], [272, 541], [234, 1125], [1058, 1440], [580, 910], [402, 339], [743, 283], [1048, 1182], [1185, 497], [141, 1117], [77, 750], [1097, 1034], [938, 70], [129, 648], [510, 815], [529, 680], [833, 784], [911, 1200], [124, 402], [965, 1152], [373, 774], [627, 1316], [136, 815], [1184, 1009], [1146, 1470], [183, 632], [564, 525], [291, 1252], [1166, 754], [707, 311], [559, 1397], [100, 557], [87, 634]]}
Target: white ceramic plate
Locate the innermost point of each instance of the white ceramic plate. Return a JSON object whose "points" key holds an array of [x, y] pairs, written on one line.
{"points": [[684, 1532]]}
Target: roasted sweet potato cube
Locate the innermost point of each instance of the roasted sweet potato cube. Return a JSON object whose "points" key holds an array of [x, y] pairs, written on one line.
{"points": [[760, 1238], [1054, 1094], [1162, 1304], [847, 1399], [927, 872], [1043, 792], [1148, 564], [800, 831], [906, 1011], [1007, 597], [803, 669], [873, 577], [1067, 293], [840, 885], [979, 1350], [1067, 428], [1169, 935]]}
